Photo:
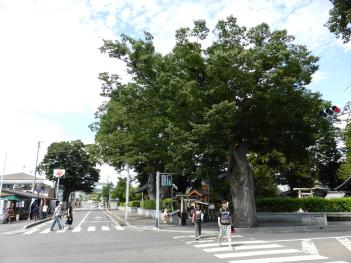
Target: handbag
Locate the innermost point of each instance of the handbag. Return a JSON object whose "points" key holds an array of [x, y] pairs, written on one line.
{"points": [[232, 229]]}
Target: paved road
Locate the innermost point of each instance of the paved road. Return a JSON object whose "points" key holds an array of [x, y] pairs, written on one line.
{"points": [[96, 237]]}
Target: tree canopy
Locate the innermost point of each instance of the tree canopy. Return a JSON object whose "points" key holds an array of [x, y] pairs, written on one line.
{"points": [[339, 21], [81, 173], [202, 108]]}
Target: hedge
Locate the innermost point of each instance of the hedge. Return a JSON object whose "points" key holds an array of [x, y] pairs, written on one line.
{"points": [[135, 203], [309, 204], [151, 204]]}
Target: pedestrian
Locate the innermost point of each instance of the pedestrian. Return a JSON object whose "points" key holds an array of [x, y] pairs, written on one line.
{"points": [[9, 213], [197, 219], [165, 215], [69, 217], [224, 223], [56, 217], [44, 211], [35, 212]]}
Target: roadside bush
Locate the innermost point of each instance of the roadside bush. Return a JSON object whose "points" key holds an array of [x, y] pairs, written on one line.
{"points": [[309, 204], [167, 203], [148, 204], [135, 203]]}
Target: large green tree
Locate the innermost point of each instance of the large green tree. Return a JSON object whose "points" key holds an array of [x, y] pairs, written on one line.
{"points": [[81, 173], [345, 167], [339, 21], [202, 108]]}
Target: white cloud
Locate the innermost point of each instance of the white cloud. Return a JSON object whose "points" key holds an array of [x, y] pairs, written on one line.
{"points": [[318, 76]]}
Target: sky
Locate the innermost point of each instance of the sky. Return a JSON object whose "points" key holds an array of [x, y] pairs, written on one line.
{"points": [[50, 59]]}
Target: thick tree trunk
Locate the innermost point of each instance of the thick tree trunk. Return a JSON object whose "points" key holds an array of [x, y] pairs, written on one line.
{"points": [[241, 187], [151, 187], [66, 194]]}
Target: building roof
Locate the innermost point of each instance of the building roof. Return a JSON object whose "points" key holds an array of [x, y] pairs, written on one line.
{"points": [[20, 176]]}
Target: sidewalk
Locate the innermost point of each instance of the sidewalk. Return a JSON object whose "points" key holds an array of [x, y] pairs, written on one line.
{"points": [[20, 225], [148, 223], [211, 228]]}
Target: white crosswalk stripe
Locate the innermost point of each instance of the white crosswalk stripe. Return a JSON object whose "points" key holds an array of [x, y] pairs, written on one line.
{"points": [[91, 228], [119, 228], [345, 242], [309, 247], [260, 251], [280, 259], [257, 253], [105, 228], [242, 248], [77, 229], [29, 232], [45, 231]]}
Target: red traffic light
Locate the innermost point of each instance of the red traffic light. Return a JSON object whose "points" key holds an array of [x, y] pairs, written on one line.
{"points": [[336, 109]]}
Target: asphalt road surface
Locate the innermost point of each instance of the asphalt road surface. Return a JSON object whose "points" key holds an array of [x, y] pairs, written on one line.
{"points": [[96, 237]]}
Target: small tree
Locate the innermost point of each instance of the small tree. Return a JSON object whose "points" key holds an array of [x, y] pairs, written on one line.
{"points": [[81, 174]]}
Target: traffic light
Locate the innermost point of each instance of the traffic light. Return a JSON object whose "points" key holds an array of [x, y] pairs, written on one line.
{"points": [[330, 111], [336, 109]]}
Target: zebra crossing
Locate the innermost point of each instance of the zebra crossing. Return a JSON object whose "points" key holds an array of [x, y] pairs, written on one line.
{"points": [[261, 251], [75, 230]]}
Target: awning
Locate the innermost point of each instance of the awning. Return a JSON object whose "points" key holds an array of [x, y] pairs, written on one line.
{"points": [[12, 198]]}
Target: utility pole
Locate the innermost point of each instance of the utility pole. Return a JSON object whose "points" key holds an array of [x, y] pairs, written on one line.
{"points": [[35, 168], [3, 173], [157, 199], [127, 196]]}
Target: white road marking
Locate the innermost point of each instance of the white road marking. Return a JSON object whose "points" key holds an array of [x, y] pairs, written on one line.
{"points": [[63, 230], [309, 247], [200, 241], [45, 231], [105, 228], [257, 253], [31, 231], [183, 236], [119, 228], [81, 222], [345, 242], [77, 229], [219, 249], [280, 259], [233, 243], [91, 228]]}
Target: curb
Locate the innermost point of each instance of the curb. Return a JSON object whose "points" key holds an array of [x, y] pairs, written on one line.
{"points": [[40, 222]]}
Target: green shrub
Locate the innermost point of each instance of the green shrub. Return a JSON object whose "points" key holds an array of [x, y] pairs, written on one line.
{"points": [[309, 204], [148, 204], [135, 203], [167, 203]]}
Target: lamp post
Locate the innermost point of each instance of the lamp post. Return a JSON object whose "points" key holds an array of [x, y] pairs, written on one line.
{"points": [[35, 168], [3, 173], [127, 196]]}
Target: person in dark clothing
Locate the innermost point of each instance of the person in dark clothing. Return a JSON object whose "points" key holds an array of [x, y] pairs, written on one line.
{"points": [[35, 212], [69, 219], [197, 219]]}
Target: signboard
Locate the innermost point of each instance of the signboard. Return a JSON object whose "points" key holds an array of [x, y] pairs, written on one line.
{"points": [[166, 180], [58, 173]]}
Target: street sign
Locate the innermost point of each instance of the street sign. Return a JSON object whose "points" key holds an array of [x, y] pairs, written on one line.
{"points": [[166, 180], [58, 173]]}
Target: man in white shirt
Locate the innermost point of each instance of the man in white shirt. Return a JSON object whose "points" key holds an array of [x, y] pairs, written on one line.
{"points": [[56, 217]]}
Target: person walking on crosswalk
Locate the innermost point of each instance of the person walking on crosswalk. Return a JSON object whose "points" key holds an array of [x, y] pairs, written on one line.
{"points": [[224, 223], [197, 218], [56, 217], [69, 219]]}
